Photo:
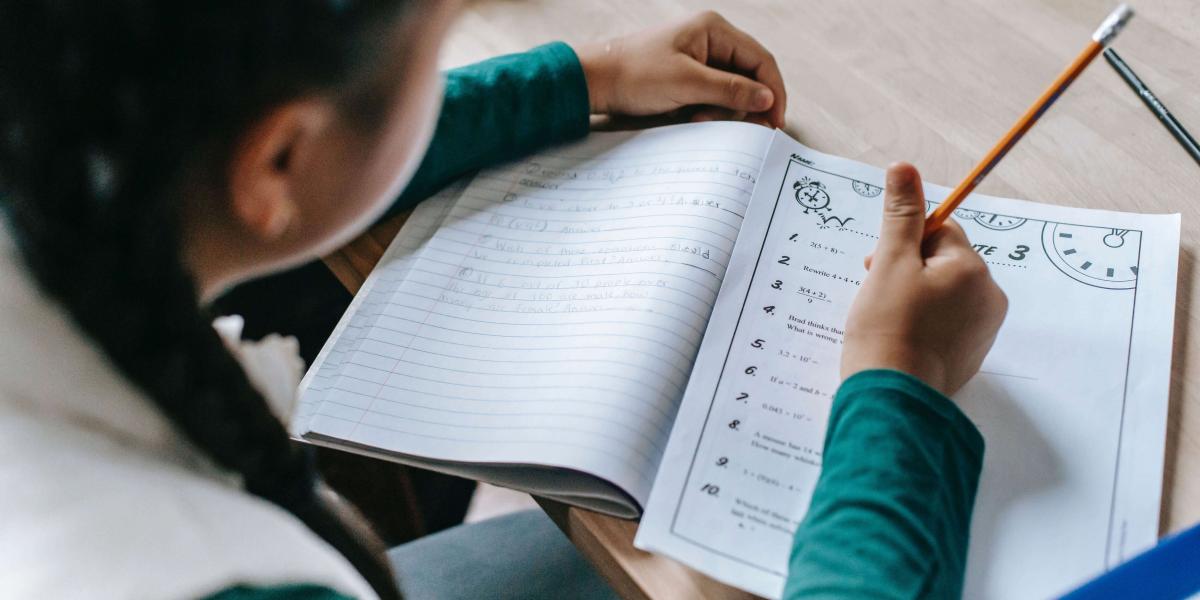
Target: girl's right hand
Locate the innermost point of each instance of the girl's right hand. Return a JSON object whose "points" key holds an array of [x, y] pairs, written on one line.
{"points": [[930, 310]]}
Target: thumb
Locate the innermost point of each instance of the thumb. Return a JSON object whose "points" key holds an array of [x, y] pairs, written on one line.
{"points": [[903, 214], [706, 85]]}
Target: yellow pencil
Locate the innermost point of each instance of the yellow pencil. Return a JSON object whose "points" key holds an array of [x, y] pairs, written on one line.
{"points": [[1104, 35]]}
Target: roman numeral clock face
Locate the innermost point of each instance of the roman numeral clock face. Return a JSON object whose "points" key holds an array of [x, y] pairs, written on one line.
{"points": [[1098, 256]]}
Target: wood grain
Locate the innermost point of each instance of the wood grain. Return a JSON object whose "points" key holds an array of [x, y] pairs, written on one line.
{"points": [[935, 83], [634, 574]]}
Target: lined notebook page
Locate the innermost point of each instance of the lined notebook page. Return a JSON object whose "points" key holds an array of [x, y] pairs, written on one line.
{"points": [[352, 328], [554, 315]]}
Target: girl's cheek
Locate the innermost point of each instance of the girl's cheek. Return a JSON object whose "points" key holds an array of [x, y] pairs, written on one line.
{"points": [[427, 116], [402, 153]]}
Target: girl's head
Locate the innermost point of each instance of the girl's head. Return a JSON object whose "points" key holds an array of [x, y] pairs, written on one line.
{"points": [[272, 131], [155, 152], [334, 128]]}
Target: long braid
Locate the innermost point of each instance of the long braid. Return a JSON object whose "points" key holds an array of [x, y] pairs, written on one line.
{"points": [[104, 107]]}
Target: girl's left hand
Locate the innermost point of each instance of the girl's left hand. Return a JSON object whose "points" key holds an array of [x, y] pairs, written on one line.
{"points": [[703, 61]]}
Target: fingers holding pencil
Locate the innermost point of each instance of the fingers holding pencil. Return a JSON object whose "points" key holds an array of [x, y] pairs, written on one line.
{"points": [[930, 308], [901, 236]]}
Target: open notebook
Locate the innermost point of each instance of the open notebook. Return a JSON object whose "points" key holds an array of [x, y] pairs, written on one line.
{"points": [[546, 326]]}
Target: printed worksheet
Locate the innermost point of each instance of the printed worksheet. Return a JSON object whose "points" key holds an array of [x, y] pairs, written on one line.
{"points": [[1072, 400]]}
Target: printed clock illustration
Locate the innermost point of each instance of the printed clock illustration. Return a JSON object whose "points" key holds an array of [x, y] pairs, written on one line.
{"points": [[865, 189], [999, 222], [989, 220], [812, 195], [1098, 256]]}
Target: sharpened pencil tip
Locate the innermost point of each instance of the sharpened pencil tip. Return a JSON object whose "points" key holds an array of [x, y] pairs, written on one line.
{"points": [[1113, 24]]}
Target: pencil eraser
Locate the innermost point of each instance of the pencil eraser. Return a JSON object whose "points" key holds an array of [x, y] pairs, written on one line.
{"points": [[1113, 24]]}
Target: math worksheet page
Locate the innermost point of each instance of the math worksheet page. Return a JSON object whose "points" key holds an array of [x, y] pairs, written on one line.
{"points": [[1072, 400]]}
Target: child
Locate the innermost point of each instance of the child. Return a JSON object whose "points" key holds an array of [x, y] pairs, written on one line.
{"points": [[153, 154]]}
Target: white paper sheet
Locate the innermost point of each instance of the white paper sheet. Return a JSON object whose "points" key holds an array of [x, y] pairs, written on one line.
{"points": [[553, 317], [347, 336], [1072, 400]]}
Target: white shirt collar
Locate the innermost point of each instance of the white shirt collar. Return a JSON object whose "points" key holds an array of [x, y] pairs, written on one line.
{"points": [[50, 368]]}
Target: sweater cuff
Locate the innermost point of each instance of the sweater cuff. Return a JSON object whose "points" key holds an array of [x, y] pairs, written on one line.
{"points": [[914, 400], [570, 111]]}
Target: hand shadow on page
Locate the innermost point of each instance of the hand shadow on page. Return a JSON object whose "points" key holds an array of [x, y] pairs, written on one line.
{"points": [[1018, 462]]}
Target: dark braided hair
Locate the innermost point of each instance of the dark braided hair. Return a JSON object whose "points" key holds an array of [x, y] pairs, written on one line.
{"points": [[106, 108]]}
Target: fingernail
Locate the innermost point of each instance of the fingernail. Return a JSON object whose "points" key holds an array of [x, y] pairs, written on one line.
{"points": [[763, 98], [899, 175]]}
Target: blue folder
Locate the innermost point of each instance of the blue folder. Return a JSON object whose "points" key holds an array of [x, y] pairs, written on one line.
{"points": [[1169, 570]]}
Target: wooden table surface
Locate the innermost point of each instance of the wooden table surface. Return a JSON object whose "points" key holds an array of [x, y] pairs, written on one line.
{"points": [[936, 83]]}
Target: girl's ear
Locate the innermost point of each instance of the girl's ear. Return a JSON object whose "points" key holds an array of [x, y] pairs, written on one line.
{"points": [[263, 169]]}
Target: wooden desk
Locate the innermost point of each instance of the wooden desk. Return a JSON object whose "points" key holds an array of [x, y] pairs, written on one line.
{"points": [[934, 83]]}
